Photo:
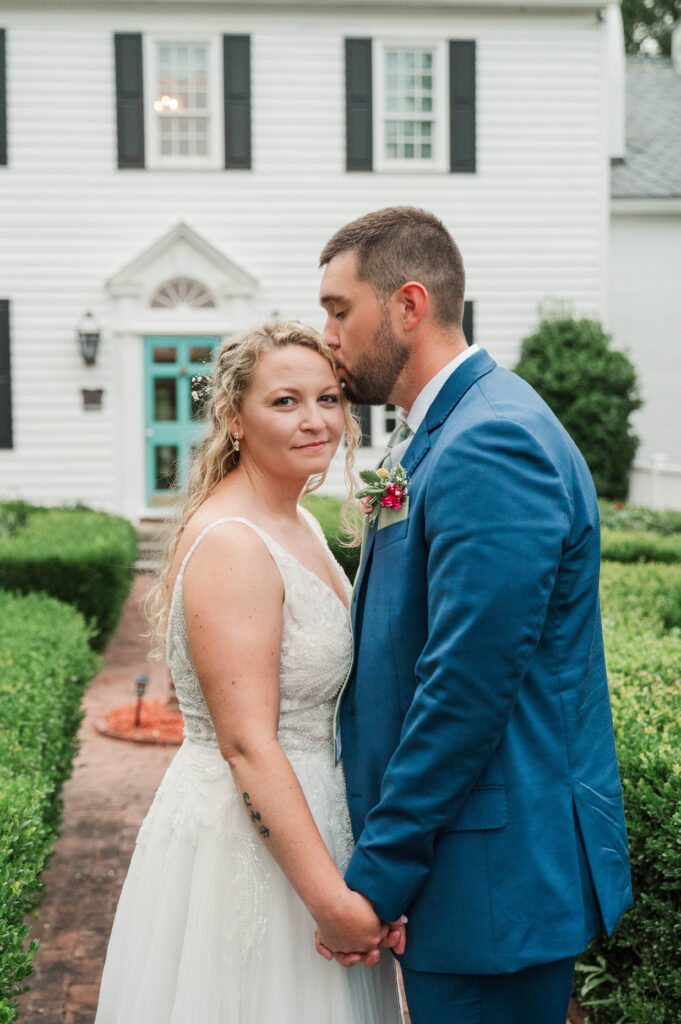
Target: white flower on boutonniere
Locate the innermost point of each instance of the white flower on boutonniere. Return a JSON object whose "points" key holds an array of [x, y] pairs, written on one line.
{"points": [[384, 489]]}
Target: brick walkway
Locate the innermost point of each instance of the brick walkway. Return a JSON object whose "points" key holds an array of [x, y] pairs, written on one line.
{"points": [[104, 803]]}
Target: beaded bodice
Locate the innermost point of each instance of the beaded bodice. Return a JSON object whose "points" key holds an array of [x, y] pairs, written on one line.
{"points": [[316, 651]]}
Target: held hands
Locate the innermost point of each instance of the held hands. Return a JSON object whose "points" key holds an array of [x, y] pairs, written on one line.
{"points": [[353, 934]]}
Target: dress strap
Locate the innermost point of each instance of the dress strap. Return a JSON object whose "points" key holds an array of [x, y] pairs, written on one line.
{"points": [[269, 543]]}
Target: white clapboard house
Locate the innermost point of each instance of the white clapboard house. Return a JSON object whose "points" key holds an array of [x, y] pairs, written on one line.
{"points": [[170, 171]]}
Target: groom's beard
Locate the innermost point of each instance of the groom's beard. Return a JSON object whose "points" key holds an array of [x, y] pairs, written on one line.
{"points": [[374, 376]]}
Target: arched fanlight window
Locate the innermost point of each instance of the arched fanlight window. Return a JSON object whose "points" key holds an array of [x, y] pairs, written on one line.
{"points": [[183, 291]]}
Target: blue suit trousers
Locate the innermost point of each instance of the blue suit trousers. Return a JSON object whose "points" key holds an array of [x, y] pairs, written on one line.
{"points": [[536, 995]]}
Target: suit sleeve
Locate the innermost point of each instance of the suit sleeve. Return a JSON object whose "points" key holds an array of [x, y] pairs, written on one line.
{"points": [[496, 516]]}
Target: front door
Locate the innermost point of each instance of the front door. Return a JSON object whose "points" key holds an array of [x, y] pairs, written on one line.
{"points": [[177, 371]]}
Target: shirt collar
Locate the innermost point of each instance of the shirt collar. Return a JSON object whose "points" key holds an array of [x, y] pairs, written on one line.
{"points": [[427, 395]]}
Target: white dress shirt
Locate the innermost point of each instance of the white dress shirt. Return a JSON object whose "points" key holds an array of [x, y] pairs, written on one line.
{"points": [[425, 398]]}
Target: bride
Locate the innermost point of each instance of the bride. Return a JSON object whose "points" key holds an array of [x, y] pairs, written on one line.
{"points": [[242, 853]]}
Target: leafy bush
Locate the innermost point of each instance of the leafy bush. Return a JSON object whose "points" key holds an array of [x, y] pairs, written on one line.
{"points": [[45, 663], [591, 389], [639, 546], [327, 512], [616, 516], [634, 977], [82, 557]]}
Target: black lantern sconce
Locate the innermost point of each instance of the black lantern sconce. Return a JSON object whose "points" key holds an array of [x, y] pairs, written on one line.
{"points": [[89, 335]]}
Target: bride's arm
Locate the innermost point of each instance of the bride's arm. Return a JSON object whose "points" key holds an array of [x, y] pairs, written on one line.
{"points": [[233, 596]]}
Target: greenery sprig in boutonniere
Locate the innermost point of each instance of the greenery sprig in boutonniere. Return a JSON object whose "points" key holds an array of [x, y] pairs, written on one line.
{"points": [[384, 489]]}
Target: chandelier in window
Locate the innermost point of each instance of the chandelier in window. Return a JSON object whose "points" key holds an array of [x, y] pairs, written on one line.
{"points": [[182, 291]]}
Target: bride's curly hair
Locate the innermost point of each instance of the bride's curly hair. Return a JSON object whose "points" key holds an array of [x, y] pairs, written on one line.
{"points": [[217, 456]]}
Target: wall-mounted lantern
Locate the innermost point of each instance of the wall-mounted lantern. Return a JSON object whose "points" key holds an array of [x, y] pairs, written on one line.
{"points": [[89, 334]]}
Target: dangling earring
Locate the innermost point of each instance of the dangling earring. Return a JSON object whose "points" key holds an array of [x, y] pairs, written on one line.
{"points": [[236, 442]]}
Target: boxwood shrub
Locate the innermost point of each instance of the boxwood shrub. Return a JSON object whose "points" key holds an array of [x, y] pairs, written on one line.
{"points": [[634, 977], [79, 556], [45, 664], [327, 511]]}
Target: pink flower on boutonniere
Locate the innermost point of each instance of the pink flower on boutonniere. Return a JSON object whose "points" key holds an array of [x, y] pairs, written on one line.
{"points": [[385, 489]]}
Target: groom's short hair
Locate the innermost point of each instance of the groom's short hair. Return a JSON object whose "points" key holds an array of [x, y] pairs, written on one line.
{"points": [[400, 244]]}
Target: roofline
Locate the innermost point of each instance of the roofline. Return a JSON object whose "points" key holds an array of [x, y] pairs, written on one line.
{"points": [[652, 206], [471, 5]]}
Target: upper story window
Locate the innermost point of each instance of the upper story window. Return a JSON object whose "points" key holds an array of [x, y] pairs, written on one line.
{"points": [[410, 106], [184, 112]]}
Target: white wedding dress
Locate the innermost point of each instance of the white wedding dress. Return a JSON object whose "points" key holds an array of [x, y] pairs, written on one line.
{"points": [[208, 929]]}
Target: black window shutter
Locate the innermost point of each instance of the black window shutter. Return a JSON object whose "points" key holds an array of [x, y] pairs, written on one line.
{"points": [[3, 101], [462, 105], [359, 139], [468, 321], [5, 378], [237, 74], [129, 99]]}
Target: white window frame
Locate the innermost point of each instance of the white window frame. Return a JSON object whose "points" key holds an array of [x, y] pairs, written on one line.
{"points": [[215, 158], [379, 434], [440, 160]]}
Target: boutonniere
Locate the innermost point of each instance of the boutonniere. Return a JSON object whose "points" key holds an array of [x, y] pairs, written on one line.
{"points": [[384, 489]]}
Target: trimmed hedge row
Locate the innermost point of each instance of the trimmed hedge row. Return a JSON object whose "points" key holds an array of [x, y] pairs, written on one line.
{"points": [[616, 516], [634, 977], [79, 556], [45, 663], [638, 546]]}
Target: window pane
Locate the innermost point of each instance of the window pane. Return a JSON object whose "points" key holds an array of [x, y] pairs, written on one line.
{"points": [[165, 400], [166, 354], [409, 92], [165, 467], [200, 354], [390, 420], [182, 87]]}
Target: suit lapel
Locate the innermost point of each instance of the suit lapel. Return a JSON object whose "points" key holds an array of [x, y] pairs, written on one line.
{"points": [[449, 396]]}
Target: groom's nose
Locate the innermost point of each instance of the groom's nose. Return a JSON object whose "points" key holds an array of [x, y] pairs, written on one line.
{"points": [[329, 334]]}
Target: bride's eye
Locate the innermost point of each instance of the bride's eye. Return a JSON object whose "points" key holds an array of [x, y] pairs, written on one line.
{"points": [[283, 401], [330, 399]]}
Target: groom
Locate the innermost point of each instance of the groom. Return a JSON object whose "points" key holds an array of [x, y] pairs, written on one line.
{"points": [[475, 724]]}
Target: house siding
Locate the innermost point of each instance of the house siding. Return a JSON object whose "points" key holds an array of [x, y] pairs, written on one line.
{"points": [[531, 222]]}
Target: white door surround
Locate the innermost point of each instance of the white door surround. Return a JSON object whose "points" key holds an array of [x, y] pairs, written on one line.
{"points": [[195, 290]]}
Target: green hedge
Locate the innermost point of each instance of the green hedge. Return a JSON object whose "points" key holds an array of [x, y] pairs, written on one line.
{"points": [[327, 511], [617, 516], [79, 556], [639, 546], [635, 976], [45, 664]]}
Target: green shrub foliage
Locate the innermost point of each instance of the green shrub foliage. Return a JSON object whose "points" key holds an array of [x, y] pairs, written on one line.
{"points": [[81, 557], [592, 390], [45, 663], [634, 977], [327, 512]]}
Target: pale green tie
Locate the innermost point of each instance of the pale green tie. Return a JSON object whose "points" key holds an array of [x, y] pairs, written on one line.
{"points": [[401, 432]]}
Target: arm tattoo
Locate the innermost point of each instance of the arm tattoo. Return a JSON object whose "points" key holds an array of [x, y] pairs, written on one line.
{"points": [[256, 818]]}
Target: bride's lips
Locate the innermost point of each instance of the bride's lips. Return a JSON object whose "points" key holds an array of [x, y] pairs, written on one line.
{"points": [[313, 446]]}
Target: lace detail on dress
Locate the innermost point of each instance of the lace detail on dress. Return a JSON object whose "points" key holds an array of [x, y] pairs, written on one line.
{"points": [[316, 651]]}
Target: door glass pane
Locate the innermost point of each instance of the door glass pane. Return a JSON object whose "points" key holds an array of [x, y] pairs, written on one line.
{"points": [[165, 469], [165, 399], [165, 354], [199, 396], [200, 354]]}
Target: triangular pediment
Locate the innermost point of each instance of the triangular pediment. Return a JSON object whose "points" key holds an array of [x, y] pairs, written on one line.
{"points": [[182, 253]]}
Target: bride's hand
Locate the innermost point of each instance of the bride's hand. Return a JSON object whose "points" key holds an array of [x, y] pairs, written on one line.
{"points": [[351, 926], [395, 939]]}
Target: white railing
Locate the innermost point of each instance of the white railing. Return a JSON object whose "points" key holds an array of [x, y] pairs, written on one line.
{"points": [[656, 484]]}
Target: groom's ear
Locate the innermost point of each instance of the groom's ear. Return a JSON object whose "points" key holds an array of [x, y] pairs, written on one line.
{"points": [[412, 301]]}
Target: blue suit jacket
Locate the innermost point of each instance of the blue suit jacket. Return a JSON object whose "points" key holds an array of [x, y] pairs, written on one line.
{"points": [[476, 728]]}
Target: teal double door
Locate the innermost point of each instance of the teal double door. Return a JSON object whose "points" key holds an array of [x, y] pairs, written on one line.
{"points": [[177, 372]]}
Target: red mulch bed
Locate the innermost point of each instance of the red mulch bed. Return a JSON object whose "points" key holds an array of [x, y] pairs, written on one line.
{"points": [[158, 723]]}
